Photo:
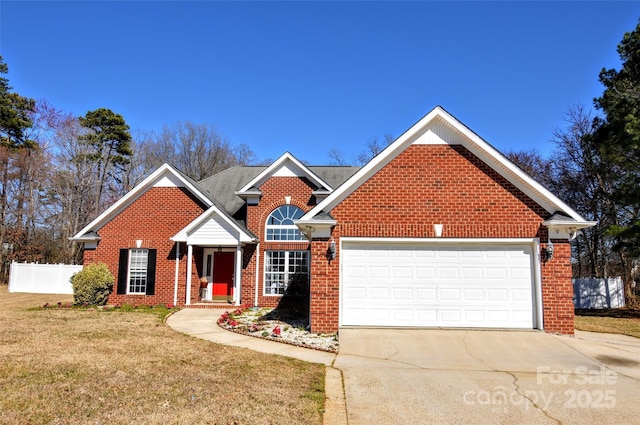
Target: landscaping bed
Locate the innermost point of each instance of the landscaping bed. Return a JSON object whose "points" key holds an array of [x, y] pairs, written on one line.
{"points": [[274, 325]]}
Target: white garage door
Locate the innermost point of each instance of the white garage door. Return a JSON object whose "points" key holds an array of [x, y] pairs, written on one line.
{"points": [[462, 285]]}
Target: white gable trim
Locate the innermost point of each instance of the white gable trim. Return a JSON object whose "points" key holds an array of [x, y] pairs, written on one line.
{"points": [[165, 176], [285, 166], [439, 127], [222, 230]]}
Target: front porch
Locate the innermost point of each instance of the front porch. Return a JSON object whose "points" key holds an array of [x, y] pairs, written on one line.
{"points": [[219, 242], [217, 277]]}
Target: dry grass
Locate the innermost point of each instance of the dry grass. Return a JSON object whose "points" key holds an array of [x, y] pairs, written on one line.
{"points": [[625, 321], [62, 366]]}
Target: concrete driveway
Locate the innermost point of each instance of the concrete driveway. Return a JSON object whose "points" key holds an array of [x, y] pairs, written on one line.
{"points": [[396, 376]]}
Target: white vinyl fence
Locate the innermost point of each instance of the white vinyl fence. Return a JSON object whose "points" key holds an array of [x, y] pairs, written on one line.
{"points": [[598, 292], [41, 278]]}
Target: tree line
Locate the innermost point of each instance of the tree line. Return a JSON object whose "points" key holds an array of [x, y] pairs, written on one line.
{"points": [[57, 171], [595, 168]]}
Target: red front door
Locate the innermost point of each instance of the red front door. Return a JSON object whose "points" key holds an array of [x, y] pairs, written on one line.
{"points": [[223, 265]]}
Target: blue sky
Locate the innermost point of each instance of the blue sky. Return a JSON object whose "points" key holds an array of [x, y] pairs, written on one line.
{"points": [[308, 77]]}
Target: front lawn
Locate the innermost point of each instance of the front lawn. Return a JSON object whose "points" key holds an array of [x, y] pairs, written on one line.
{"points": [[617, 321], [84, 366]]}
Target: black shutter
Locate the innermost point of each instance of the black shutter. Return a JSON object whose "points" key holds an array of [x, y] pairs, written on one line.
{"points": [[151, 272], [123, 269]]}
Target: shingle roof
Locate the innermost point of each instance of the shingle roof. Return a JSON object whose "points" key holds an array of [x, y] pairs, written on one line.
{"points": [[221, 187]]}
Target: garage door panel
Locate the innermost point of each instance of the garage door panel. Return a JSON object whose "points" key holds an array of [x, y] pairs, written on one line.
{"points": [[449, 273], [450, 294], [498, 316], [380, 315], [450, 317], [521, 316], [425, 254], [403, 294], [403, 315], [427, 315], [499, 295], [496, 273], [520, 273], [494, 253], [425, 273], [376, 272], [436, 285], [472, 273], [473, 295], [423, 294], [474, 316], [355, 293], [355, 315], [445, 254], [379, 293], [353, 271], [401, 254], [522, 295]]}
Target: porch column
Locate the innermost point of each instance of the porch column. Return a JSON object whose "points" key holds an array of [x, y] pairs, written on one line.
{"points": [[237, 293], [189, 268]]}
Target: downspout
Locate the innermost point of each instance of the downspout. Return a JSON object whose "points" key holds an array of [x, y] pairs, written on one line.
{"points": [[255, 303], [175, 284]]}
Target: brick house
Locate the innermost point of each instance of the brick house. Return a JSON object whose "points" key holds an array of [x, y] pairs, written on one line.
{"points": [[440, 229]]}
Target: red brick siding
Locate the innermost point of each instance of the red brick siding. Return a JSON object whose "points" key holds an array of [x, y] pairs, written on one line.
{"points": [[154, 217], [274, 191], [426, 185], [557, 290]]}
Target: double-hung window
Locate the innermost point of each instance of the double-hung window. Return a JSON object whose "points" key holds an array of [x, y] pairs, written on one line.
{"points": [[137, 271], [138, 261]]}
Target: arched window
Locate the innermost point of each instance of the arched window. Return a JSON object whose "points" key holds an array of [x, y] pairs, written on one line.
{"points": [[280, 225]]}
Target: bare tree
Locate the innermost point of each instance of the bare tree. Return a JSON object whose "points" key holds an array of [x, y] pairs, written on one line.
{"points": [[533, 163], [372, 148], [336, 157], [198, 150], [585, 180], [244, 155]]}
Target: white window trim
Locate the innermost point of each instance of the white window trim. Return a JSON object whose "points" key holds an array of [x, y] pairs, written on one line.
{"points": [[146, 271], [292, 226], [267, 260]]}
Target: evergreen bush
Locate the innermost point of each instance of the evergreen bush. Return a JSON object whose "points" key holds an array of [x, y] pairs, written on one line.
{"points": [[92, 285]]}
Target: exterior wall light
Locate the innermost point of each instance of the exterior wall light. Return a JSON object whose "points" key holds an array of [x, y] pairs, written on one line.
{"points": [[331, 252], [547, 252]]}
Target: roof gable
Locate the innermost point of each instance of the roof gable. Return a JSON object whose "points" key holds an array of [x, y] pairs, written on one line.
{"points": [[214, 224], [165, 176], [285, 166], [439, 127]]}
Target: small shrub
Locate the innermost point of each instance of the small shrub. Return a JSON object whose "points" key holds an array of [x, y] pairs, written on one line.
{"points": [[92, 285]]}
